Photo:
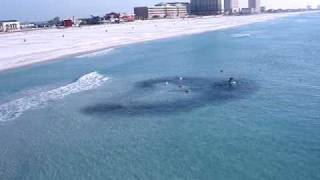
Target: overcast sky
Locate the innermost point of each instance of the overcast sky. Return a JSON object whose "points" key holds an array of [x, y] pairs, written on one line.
{"points": [[30, 10]]}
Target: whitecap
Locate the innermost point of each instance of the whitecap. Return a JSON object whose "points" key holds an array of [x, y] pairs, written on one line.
{"points": [[94, 54], [15, 108], [240, 35]]}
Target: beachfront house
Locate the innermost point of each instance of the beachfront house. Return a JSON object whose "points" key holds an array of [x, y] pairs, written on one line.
{"points": [[127, 17], [43, 24], [9, 26], [93, 20], [24, 26], [112, 17], [67, 23]]}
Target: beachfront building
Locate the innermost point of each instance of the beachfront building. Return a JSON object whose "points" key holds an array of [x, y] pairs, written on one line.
{"points": [[247, 11], [126, 17], [231, 7], [27, 26], [255, 4], [9, 26], [163, 10], [67, 23], [263, 9], [186, 4], [206, 7]]}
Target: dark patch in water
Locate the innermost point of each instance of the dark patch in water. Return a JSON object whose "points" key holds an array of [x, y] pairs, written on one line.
{"points": [[185, 94]]}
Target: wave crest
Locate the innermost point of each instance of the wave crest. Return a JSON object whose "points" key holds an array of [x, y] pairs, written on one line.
{"points": [[94, 54], [15, 108]]}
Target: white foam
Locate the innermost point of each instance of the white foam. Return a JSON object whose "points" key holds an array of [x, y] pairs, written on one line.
{"points": [[94, 54], [240, 35], [13, 109]]}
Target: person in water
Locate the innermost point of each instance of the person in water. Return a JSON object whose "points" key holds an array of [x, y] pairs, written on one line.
{"points": [[232, 82]]}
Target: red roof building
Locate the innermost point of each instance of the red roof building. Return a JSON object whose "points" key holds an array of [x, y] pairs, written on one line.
{"points": [[67, 23]]}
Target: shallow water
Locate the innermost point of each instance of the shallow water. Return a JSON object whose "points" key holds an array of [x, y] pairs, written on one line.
{"points": [[137, 119]]}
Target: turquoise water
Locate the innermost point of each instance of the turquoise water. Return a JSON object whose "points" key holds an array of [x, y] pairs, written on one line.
{"points": [[131, 116]]}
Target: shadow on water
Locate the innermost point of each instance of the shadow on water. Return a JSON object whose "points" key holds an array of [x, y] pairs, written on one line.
{"points": [[173, 95]]}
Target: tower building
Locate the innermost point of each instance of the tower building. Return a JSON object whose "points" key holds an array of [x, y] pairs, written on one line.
{"points": [[206, 7]]}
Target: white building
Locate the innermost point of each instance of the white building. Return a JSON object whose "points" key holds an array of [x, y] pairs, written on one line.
{"points": [[161, 11], [27, 26], [10, 25]]}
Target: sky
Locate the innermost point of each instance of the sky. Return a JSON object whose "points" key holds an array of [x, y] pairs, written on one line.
{"points": [[37, 10]]}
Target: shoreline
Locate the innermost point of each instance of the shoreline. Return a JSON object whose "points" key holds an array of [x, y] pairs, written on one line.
{"points": [[53, 44]]}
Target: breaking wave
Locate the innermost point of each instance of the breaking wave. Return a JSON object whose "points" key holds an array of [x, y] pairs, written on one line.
{"points": [[94, 54], [240, 35], [13, 109]]}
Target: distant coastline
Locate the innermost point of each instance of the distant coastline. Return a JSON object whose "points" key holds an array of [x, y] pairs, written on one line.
{"points": [[27, 48]]}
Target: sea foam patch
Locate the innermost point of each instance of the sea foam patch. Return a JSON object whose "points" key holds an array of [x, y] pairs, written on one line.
{"points": [[15, 108], [97, 53]]}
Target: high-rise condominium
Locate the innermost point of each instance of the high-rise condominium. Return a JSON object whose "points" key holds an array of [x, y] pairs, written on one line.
{"points": [[231, 6], [206, 7], [255, 4]]}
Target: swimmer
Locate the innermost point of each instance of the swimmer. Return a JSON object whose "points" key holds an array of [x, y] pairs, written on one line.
{"points": [[232, 82], [167, 83], [180, 78]]}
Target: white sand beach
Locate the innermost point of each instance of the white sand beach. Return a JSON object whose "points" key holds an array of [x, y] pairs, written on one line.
{"points": [[44, 45]]}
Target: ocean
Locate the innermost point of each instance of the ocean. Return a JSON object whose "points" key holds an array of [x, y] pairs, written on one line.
{"points": [[164, 109]]}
